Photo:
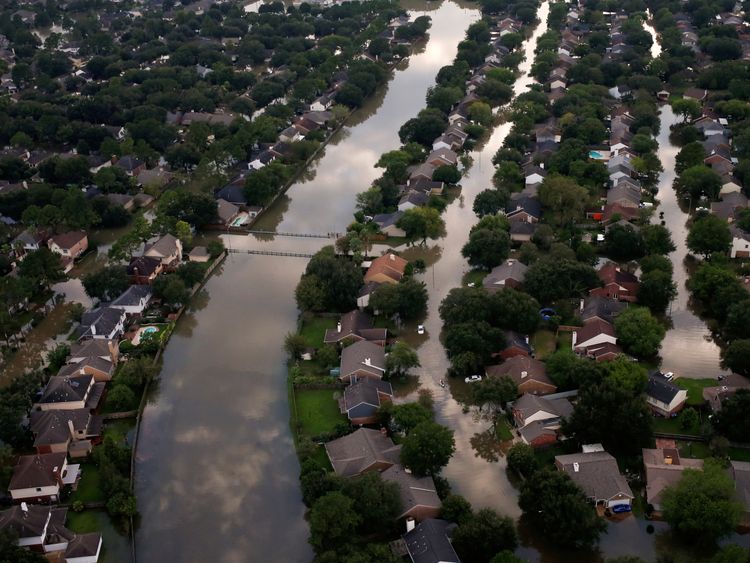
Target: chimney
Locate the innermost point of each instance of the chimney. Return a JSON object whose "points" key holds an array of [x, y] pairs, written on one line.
{"points": [[338, 327], [392, 257], [368, 362], [410, 524], [576, 467], [72, 430], [524, 374]]}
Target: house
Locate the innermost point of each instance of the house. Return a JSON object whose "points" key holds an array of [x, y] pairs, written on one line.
{"points": [[419, 498], [290, 135], [729, 184], [617, 284], [70, 393], [522, 207], [104, 349], [696, 94], [422, 172], [664, 468], [144, 269], [101, 369], [361, 451], [133, 300], [624, 170], [538, 419], [620, 92], [130, 165], [259, 160], [354, 326], [740, 472], [42, 529], [515, 345], [166, 248], [534, 174], [363, 297], [728, 387], [69, 245], [65, 431], [360, 401], [40, 477], [411, 200], [594, 332], [127, 202], [442, 157], [510, 273], [624, 195], [361, 360], [520, 231], [28, 241], [429, 542], [226, 211], [663, 396], [102, 323], [233, 192], [387, 268], [387, 223], [740, 243], [597, 474], [709, 126], [602, 308], [321, 103], [199, 254], [528, 374], [729, 206]]}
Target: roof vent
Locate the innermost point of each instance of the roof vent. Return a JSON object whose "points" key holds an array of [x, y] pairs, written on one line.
{"points": [[368, 362], [24, 507], [576, 467], [392, 257], [524, 374]]}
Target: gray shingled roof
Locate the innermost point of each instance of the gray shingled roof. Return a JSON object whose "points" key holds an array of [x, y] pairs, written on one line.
{"points": [[132, 296], [365, 391], [414, 491], [428, 542], [354, 358], [356, 452], [39, 470], [510, 269], [596, 473], [51, 427], [661, 389], [25, 524]]}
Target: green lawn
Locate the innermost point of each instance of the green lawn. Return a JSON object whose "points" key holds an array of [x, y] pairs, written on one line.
{"points": [[83, 522], [502, 430], [739, 454], [564, 340], [89, 486], [119, 429], [544, 343], [314, 329], [476, 277], [698, 450], [695, 388], [317, 411], [673, 426]]}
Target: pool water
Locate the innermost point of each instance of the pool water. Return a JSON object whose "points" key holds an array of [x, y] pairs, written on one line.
{"points": [[150, 329], [595, 154]]}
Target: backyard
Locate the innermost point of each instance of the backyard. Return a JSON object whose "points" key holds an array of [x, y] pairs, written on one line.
{"points": [[544, 343], [695, 388], [89, 487], [314, 329], [317, 411]]}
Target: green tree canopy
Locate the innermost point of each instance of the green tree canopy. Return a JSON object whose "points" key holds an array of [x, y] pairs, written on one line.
{"points": [[483, 535], [428, 448], [708, 235], [639, 332]]}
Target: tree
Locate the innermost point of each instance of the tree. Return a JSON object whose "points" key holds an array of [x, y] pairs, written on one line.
{"points": [[57, 357], [657, 239], [378, 499], [549, 280], [690, 155], [294, 345], [135, 372], [731, 553], [191, 273], [428, 448], [332, 520], [495, 391], [408, 416], [401, 359], [656, 290], [709, 234], [639, 332], [737, 357], [215, 248], [121, 398], [698, 181], [521, 459], [421, 222], [484, 534], [330, 283], [564, 200], [11, 552], [600, 403], [689, 420], [41, 268], [623, 243], [514, 310], [486, 248], [106, 284], [688, 109], [456, 509], [171, 289], [701, 507], [407, 299], [490, 202], [555, 505], [447, 174], [506, 556], [736, 324]]}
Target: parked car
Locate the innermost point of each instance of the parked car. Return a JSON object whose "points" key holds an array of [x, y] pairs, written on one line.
{"points": [[618, 508], [473, 378], [669, 376], [420, 329]]}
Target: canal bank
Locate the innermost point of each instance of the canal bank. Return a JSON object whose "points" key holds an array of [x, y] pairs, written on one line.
{"points": [[216, 471]]}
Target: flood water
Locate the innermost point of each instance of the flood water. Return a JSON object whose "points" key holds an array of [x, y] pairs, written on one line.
{"points": [[216, 471]]}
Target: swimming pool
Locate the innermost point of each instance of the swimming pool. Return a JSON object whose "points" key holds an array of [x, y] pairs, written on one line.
{"points": [[150, 329], [240, 220], [144, 330], [596, 155]]}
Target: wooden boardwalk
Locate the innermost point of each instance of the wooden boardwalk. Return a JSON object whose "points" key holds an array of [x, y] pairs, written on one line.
{"points": [[296, 235], [269, 253]]}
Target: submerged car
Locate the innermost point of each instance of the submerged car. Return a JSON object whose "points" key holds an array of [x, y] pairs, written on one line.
{"points": [[420, 329], [473, 378]]}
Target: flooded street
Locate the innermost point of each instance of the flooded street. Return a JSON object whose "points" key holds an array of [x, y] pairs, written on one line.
{"points": [[216, 471]]}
